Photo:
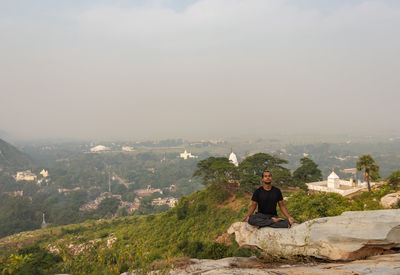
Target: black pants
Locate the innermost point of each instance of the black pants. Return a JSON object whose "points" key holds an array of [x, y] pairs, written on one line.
{"points": [[263, 220]]}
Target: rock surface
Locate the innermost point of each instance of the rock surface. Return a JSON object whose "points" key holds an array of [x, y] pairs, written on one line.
{"points": [[377, 265], [352, 235], [390, 200]]}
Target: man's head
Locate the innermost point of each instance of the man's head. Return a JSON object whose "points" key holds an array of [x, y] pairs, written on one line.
{"points": [[266, 177]]}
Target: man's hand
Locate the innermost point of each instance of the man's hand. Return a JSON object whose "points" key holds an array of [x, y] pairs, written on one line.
{"points": [[246, 219], [276, 219], [291, 220]]}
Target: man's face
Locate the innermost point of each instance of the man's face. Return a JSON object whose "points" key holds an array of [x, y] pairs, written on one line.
{"points": [[267, 178]]}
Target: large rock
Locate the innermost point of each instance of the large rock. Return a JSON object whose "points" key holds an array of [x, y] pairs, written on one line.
{"points": [[378, 265], [352, 235], [390, 200]]}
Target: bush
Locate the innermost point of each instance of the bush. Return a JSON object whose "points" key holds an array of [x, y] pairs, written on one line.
{"points": [[394, 179], [242, 252], [31, 260], [305, 207], [201, 207], [194, 249], [216, 251], [219, 192], [182, 209]]}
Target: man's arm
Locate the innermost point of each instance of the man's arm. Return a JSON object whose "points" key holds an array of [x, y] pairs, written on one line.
{"points": [[285, 212], [251, 211]]}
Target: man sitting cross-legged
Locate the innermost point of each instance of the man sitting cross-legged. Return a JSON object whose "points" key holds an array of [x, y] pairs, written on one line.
{"points": [[266, 197]]}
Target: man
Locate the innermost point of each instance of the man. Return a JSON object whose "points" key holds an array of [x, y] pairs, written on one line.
{"points": [[266, 197]]}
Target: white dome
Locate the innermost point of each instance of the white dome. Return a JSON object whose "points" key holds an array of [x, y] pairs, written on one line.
{"points": [[333, 176], [99, 148], [233, 159]]}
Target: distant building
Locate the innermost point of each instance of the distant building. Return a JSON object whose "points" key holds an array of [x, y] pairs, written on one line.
{"points": [[147, 192], [19, 193], [44, 173], [336, 185], [152, 170], [233, 158], [99, 148], [93, 205], [127, 149], [186, 155], [130, 206], [65, 190], [170, 201], [25, 175], [172, 188]]}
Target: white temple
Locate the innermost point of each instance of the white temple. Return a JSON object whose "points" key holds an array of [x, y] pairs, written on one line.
{"points": [[336, 185], [99, 148], [44, 173], [233, 158], [186, 155]]}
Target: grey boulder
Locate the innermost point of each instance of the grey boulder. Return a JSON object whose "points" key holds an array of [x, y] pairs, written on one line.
{"points": [[352, 235]]}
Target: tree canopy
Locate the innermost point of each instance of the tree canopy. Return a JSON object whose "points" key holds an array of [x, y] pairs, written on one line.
{"points": [[251, 169], [307, 172], [371, 169], [248, 174], [214, 169], [394, 179]]}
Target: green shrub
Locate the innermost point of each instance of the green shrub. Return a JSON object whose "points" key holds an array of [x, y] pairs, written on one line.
{"points": [[31, 260], [194, 249], [216, 251], [201, 207], [182, 209], [242, 252]]}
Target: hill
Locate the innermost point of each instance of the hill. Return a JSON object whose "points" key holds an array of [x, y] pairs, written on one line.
{"points": [[195, 228], [11, 157]]}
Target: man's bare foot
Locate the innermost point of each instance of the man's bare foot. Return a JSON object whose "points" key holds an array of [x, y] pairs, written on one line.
{"points": [[277, 219]]}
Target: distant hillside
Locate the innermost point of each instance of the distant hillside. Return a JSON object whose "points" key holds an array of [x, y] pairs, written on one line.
{"points": [[11, 157], [3, 133]]}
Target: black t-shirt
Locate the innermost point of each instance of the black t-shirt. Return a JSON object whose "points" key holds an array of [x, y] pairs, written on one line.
{"points": [[267, 200]]}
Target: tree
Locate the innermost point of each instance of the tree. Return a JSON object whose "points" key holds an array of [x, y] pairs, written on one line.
{"points": [[394, 179], [213, 169], [307, 172], [371, 169], [251, 169]]}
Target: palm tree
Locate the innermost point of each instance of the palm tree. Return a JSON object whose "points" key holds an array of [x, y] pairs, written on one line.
{"points": [[371, 169]]}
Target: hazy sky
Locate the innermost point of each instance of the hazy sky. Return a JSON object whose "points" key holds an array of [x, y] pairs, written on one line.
{"points": [[121, 69]]}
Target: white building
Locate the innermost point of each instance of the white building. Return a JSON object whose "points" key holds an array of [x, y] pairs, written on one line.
{"points": [[170, 201], [99, 148], [186, 155], [127, 149], [147, 192], [44, 173], [336, 185], [25, 175], [233, 159]]}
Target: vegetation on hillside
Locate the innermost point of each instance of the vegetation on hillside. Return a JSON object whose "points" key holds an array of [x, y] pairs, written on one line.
{"points": [[194, 228], [11, 157]]}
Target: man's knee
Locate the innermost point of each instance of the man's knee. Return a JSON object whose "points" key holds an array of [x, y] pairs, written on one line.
{"points": [[252, 220]]}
